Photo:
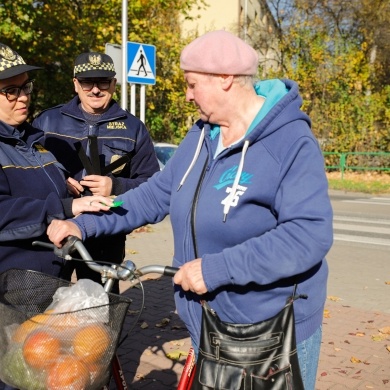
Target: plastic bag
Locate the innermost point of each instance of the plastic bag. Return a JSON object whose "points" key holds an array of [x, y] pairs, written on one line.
{"points": [[84, 294]]}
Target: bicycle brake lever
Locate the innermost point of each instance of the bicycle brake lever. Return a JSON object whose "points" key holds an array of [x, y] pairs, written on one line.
{"points": [[67, 248]]}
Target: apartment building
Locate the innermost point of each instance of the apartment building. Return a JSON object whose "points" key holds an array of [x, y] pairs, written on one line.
{"points": [[251, 20]]}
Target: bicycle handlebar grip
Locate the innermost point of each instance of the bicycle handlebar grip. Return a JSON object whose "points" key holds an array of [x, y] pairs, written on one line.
{"points": [[170, 271], [43, 244]]}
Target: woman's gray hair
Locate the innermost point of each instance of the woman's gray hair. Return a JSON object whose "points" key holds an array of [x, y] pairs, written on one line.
{"points": [[245, 80]]}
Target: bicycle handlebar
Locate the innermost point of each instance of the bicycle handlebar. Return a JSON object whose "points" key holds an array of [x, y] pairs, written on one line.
{"points": [[125, 271]]}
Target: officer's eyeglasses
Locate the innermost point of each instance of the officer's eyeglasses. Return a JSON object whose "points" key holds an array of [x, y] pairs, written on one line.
{"points": [[87, 85], [12, 93]]}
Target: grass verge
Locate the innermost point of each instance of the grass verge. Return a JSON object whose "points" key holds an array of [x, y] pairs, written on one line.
{"points": [[370, 183]]}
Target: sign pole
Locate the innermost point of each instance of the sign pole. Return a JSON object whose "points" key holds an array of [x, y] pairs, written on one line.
{"points": [[142, 103], [132, 96], [124, 55]]}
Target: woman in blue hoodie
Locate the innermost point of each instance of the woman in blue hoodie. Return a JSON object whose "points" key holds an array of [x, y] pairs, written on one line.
{"points": [[247, 196]]}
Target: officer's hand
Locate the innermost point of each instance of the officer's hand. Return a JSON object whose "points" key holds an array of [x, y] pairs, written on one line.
{"points": [[98, 185], [74, 187]]}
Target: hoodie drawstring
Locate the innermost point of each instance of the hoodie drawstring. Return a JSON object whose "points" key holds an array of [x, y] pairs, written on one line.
{"points": [[196, 155], [231, 196]]}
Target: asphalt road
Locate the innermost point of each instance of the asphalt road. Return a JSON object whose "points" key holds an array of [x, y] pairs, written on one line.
{"points": [[359, 261]]}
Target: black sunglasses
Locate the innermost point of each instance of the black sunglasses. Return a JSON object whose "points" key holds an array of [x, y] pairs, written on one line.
{"points": [[87, 85]]}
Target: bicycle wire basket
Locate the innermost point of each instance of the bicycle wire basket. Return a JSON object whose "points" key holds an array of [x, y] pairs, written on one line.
{"points": [[56, 351]]}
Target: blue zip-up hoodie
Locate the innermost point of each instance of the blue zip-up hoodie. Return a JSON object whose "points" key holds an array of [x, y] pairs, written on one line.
{"points": [[262, 216]]}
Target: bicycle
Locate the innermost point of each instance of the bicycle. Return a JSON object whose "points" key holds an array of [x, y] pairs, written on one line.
{"points": [[14, 302]]}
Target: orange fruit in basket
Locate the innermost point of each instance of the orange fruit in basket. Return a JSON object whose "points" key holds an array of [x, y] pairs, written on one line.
{"points": [[91, 342], [62, 322], [25, 328], [67, 373], [41, 349]]}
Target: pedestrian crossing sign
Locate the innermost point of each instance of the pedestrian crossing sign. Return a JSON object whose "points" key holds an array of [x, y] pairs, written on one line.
{"points": [[141, 63]]}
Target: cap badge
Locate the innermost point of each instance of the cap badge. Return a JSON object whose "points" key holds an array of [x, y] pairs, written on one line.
{"points": [[7, 53], [95, 60]]}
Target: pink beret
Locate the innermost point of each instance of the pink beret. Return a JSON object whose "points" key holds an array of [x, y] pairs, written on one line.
{"points": [[219, 52]]}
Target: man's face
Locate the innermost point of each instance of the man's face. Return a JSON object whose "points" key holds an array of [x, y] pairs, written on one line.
{"points": [[14, 112], [95, 93]]}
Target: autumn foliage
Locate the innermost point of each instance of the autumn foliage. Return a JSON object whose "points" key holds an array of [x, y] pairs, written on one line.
{"points": [[337, 51]]}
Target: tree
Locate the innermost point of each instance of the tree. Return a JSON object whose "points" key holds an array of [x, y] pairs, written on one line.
{"points": [[327, 46], [51, 33]]}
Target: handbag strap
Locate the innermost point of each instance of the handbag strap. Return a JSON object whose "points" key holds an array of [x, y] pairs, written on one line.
{"points": [[295, 296], [193, 209]]}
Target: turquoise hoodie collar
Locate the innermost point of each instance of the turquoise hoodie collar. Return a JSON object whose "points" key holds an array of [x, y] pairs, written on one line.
{"points": [[272, 90]]}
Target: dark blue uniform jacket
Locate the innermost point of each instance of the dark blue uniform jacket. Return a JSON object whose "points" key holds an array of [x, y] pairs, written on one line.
{"points": [[119, 135], [32, 186]]}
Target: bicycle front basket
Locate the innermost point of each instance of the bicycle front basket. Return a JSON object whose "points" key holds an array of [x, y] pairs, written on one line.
{"points": [[42, 349]]}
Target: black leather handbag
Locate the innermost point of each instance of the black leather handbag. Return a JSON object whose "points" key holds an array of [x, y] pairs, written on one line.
{"points": [[248, 356]]}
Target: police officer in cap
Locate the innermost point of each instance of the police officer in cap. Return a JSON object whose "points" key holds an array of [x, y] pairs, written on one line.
{"points": [[105, 149]]}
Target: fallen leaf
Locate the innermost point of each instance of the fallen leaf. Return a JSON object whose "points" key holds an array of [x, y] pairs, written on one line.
{"points": [[378, 337], [326, 313], [335, 299], [387, 282], [143, 229], [388, 348], [163, 323], [176, 355], [131, 252], [144, 325], [140, 376], [360, 334], [177, 327], [355, 360], [385, 330], [178, 343]]}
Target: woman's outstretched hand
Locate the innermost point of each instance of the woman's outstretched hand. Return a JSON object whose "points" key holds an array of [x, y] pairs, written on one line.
{"points": [[58, 230]]}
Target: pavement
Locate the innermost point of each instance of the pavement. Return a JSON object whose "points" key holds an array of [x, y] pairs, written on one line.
{"points": [[355, 351]]}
